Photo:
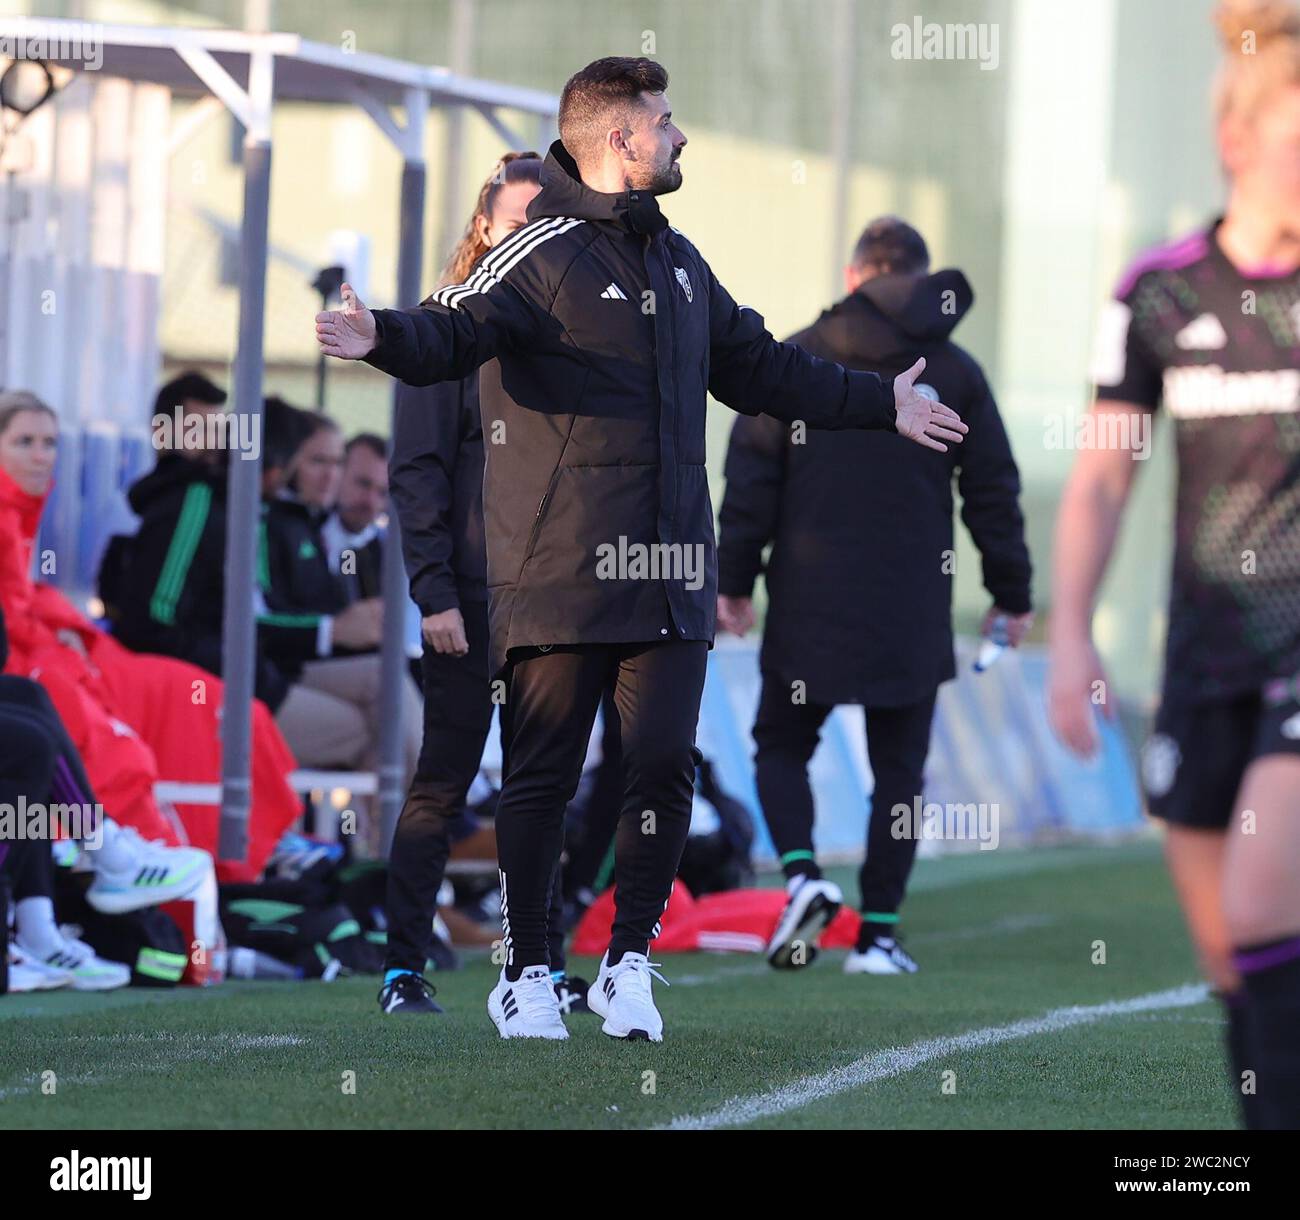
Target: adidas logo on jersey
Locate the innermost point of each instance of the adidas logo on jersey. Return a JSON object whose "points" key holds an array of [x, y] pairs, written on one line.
{"points": [[1204, 334], [614, 293]]}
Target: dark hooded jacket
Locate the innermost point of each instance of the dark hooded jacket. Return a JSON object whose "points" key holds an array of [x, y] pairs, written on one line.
{"points": [[859, 580], [169, 590], [435, 480], [601, 330]]}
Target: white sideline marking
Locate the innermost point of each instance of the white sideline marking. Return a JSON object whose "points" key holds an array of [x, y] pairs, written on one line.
{"points": [[174, 1048], [882, 1065], [999, 927], [1008, 925], [200, 1045]]}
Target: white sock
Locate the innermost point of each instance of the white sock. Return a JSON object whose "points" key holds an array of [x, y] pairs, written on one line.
{"points": [[116, 852], [34, 923]]}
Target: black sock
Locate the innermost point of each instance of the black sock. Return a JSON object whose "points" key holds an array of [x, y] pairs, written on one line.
{"points": [[871, 929], [513, 973], [1240, 1059], [617, 947], [802, 867], [1271, 977]]}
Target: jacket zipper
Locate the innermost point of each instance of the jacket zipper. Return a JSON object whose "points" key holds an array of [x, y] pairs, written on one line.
{"points": [[672, 355], [537, 520]]}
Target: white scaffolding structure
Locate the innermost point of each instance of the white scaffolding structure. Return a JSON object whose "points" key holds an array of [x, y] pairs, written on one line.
{"points": [[246, 74]]}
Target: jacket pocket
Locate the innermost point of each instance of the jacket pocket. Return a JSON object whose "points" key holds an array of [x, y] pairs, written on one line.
{"points": [[540, 515]]}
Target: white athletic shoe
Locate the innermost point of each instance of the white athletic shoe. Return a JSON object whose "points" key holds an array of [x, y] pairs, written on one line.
{"points": [[87, 971], [621, 995], [527, 1008], [26, 973], [886, 956], [131, 873], [90, 972], [812, 904]]}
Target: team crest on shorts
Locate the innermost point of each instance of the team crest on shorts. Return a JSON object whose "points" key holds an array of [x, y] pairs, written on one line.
{"points": [[1160, 759], [685, 282], [926, 391]]}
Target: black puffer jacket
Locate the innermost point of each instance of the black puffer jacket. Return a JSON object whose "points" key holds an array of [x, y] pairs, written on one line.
{"points": [[608, 330], [435, 479], [861, 526], [170, 586]]}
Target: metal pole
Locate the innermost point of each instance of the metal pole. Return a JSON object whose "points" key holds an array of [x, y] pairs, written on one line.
{"points": [[452, 220], [320, 363], [410, 252], [843, 96], [244, 482], [9, 220]]}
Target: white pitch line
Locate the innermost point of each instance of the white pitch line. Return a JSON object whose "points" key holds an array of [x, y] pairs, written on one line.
{"points": [[882, 1065], [174, 1049], [1007, 926]]}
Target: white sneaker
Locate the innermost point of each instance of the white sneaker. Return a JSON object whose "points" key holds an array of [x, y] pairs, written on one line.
{"points": [[886, 956], [812, 904], [26, 973], [527, 1008], [131, 873], [87, 971], [621, 994], [90, 972]]}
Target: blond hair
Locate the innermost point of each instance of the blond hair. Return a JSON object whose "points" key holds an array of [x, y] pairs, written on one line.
{"points": [[1261, 41], [15, 402], [513, 167]]}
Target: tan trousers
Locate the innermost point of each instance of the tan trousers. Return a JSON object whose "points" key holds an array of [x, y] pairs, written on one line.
{"points": [[331, 716]]}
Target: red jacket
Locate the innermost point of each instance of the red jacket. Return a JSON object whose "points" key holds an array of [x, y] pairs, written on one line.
{"points": [[134, 718]]}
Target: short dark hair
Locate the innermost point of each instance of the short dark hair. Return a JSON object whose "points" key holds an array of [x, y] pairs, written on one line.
{"points": [[316, 421], [367, 440], [890, 246], [284, 428], [189, 385], [605, 89]]}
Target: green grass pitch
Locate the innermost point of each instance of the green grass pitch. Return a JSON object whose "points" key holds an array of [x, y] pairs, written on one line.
{"points": [[1001, 937]]}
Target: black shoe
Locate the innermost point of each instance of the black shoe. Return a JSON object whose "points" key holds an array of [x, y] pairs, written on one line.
{"points": [[408, 993], [571, 993]]}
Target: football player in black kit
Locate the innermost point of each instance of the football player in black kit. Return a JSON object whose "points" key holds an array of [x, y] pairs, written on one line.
{"points": [[1206, 331]]}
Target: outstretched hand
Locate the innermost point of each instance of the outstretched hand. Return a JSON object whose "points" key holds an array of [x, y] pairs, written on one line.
{"points": [[348, 333], [922, 419]]}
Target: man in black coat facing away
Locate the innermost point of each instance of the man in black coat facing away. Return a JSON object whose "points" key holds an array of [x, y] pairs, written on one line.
{"points": [[860, 613], [600, 331]]}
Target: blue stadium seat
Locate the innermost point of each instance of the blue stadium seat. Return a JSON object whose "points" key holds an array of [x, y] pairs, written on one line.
{"points": [[100, 492], [991, 745], [137, 457], [61, 520]]}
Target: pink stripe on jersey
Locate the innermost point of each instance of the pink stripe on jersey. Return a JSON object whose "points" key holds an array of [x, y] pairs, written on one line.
{"points": [[1266, 271], [1169, 257]]}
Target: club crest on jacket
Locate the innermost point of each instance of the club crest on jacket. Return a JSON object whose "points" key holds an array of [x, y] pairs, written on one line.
{"points": [[685, 282]]}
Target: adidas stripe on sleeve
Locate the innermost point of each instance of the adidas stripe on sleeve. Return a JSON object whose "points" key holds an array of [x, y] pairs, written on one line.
{"points": [[499, 262]]}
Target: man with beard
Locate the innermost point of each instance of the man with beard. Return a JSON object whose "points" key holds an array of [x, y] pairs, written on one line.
{"points": [[600, 331]]}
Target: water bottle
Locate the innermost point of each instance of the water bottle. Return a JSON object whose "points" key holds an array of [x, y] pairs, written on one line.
{"points": [[250, 964], [994, 644]]}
